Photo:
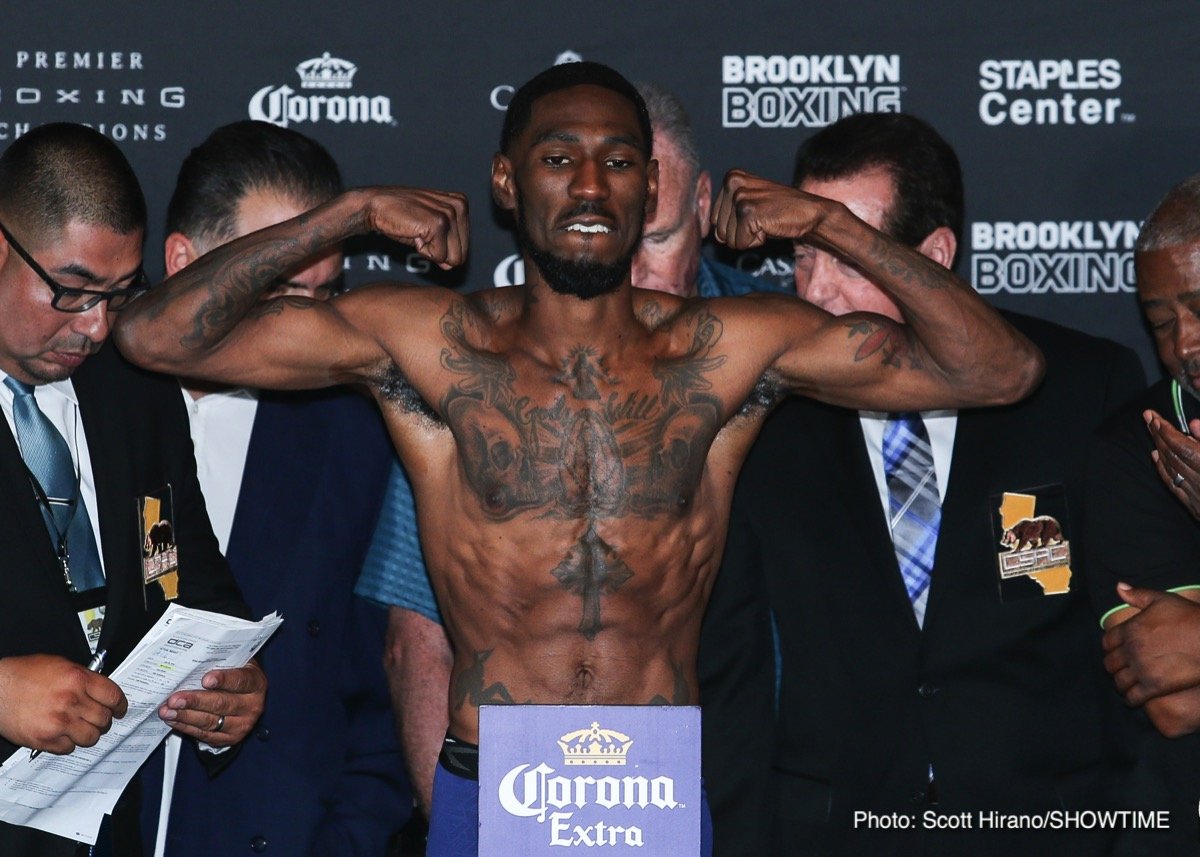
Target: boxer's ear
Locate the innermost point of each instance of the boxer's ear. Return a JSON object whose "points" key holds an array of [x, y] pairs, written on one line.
{"points": [[504, 190], [704, 201]]}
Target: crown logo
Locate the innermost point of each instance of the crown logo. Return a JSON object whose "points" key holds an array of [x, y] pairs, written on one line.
{"points": [[566, 57], [595, 746], [326, 72]]}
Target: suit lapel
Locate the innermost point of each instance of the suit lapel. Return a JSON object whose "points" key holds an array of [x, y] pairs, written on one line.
{"points": [[968, 484], [19, 509], [110, 450], [283, 467], [839, 438]]}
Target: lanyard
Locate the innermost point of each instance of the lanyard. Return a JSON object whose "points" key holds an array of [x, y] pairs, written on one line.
{"points": [[1177, 401], [59, 536]]}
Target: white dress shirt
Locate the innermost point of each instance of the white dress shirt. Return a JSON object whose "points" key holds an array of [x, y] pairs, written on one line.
{"points": [[940, 426], [221, 424]]}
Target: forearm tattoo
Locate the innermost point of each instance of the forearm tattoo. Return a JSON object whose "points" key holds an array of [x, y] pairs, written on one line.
{"points": [[234, 280], [905, 265], [275, 306]]}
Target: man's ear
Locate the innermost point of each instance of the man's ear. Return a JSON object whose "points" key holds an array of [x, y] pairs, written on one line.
{"points": [[178, 252], [704, 201], [940, 245], [504, 190], [651, 188]]}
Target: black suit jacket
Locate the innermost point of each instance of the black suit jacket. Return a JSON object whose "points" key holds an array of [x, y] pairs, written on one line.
{"points": [[1001, 698], [138, 441], [323, 773], [1140, 534]]}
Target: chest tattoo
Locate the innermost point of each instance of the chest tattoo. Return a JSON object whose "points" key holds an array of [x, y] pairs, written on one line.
{"points": [[598, 450], [580, 372], [591, 568]]}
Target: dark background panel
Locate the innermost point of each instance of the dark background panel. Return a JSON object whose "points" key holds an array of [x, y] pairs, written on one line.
{"points": [[437, 76]]}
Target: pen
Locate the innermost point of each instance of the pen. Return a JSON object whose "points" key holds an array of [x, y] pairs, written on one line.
{"points": [[94, 666]]}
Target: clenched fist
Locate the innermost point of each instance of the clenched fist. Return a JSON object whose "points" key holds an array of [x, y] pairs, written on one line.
{"points": [[749, 210], [433, 222]]}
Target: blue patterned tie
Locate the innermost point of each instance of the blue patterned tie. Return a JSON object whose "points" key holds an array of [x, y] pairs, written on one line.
{"points": [[49, 460], [914, 509]]}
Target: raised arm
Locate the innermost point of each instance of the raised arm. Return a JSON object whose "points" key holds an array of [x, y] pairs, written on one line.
{"points": [[209, 320], [954, 351]]}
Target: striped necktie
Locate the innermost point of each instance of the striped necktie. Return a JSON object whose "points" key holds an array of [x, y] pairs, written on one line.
{"points": [[49, 460], [914, 509]]}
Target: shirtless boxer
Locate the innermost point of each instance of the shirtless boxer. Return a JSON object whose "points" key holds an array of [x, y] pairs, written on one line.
{"points": [[573, 444]]}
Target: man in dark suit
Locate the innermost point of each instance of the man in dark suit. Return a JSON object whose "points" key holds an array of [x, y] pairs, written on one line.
{"points": [[294, 483], [73, 218], [1146, 542], [937, 658]]}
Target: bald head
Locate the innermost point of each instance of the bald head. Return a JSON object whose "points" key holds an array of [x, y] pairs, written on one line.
{"points": [[1167, 260], [64, 173], [1175, 221]]}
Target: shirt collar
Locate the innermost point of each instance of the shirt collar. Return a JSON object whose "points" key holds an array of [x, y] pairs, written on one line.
{"points": [[231, 393], [64, 388]]}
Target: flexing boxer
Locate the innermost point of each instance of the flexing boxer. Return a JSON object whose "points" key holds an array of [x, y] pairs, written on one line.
{"points": [[573, 444]]}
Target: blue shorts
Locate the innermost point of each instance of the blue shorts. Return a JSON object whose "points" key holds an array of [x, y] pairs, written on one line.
{"points": [[454, 821]]}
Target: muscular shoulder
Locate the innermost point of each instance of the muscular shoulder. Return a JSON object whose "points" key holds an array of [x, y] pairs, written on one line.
{"points": [[417, 324], [384, 308], [736, 315], [708, 342]]}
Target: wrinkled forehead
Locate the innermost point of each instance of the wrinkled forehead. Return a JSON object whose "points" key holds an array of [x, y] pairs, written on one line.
{"points": [[869, 193]]}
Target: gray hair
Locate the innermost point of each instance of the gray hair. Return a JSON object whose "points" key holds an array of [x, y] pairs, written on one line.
{"points": [[670, 119], [1175, 221]]}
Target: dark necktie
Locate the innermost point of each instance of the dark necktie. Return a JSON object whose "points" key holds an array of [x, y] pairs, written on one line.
{"points": [[914, 509], [49, 460]]}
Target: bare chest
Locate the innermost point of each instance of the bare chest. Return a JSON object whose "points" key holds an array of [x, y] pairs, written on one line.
{"points": [[583, 443]]}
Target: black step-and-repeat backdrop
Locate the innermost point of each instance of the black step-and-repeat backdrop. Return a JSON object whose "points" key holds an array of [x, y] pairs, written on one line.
{"points": [[1071, 117]]}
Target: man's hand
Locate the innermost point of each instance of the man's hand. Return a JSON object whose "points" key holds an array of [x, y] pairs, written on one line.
{"points": [[433, 222], [1177, 457], [49, 703], [1175, 714], [1155, 652], [237, 695], [749, 210]]}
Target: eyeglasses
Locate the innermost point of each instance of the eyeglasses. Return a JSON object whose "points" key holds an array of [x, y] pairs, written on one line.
{"points": [[79, 300]]}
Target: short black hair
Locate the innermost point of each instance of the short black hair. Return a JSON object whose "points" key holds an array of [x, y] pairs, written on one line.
{"points": [[241, 158], [63, 172], [923, 167], [564, 76]]}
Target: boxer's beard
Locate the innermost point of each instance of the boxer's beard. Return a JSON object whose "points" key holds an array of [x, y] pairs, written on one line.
{"points": [[584, 279]]}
